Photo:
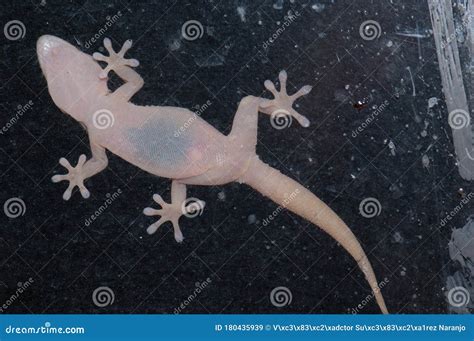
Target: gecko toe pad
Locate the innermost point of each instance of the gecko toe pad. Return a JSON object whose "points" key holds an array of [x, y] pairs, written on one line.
{"points": [[75, 177], [115, 59], [282, 104], [168, 212]]}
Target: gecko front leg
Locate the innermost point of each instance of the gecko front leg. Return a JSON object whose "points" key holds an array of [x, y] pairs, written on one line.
{"points": [[83, 170], [122, 67], [173, 211]]}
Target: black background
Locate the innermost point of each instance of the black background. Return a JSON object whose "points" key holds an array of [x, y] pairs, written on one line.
{"points": [[244, 259]]}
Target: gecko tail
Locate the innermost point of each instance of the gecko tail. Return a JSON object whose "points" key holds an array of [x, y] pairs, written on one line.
{"points": [[291, 195]]}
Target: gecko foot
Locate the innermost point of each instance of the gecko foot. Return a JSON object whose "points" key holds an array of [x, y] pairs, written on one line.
{"points": [[75, 177], [114, 60], [282, 104], [171, 212]]}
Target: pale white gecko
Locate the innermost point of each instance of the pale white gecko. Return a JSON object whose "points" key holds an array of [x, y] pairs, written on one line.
{"points": [[146, 136]]}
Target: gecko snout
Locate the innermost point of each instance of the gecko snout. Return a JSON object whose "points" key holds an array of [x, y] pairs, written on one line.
{"points": [[50, 50], [46, 44]]}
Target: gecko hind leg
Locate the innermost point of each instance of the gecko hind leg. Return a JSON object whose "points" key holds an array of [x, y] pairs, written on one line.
{"points": [[75, 177], [83, 170], [172, 212], [280, 109], [282, 104]]}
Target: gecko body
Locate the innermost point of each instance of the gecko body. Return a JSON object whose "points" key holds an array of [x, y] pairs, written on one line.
{"points": [[176, 143]]}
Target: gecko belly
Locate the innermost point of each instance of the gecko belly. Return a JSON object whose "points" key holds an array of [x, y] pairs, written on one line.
{"points": [[161, 147]]}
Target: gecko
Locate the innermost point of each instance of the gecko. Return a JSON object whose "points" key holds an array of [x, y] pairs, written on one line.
{"points": [[177, 144]]}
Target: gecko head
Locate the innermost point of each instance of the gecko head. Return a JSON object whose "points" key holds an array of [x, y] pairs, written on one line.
{"points": [[72, 76]]}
